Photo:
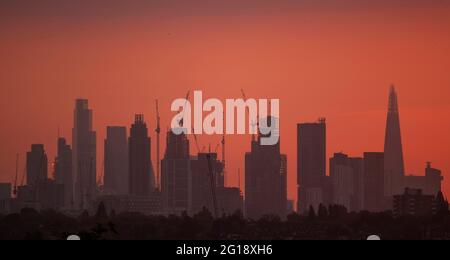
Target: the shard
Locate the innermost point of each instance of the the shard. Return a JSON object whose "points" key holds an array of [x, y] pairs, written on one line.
{"points": [[394, 169]]}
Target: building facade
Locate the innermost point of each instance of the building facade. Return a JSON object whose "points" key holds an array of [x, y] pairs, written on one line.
{"points": [[116, 179], [311, 165], [141, 179], [84, 142]]}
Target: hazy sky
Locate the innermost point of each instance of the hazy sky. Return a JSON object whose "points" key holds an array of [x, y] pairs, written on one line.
{"points": [[329, 58]]}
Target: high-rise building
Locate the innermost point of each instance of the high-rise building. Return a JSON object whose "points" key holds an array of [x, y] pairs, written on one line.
{"points": [[37, 165], [63, 171], [176, 175], [265, 180], [5, 191], [202, 183], [141, 179], [116, 180], [311, 165], [394, 168], [374, 182], [84, 155], [347, 181]]}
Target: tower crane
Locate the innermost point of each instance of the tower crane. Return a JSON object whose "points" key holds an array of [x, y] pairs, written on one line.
{"points": [[253, 121], [181, 122], [212, 180], [17, 175], [158, 140]]}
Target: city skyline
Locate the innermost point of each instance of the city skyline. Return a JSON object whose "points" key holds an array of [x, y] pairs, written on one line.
{"points": [[392, 108], [342, 185], [330, 61]]}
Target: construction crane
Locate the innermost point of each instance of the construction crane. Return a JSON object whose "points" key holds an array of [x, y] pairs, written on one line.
{"points": [[212, 180], [196, 141], [223, 151], [17, 175], [158, 140], [248, 111], [217, 148], [101, 180], [239, 179], [181, 122]]}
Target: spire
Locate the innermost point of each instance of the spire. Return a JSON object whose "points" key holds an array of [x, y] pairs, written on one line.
{"points": [[393, 101], [394, 169]]}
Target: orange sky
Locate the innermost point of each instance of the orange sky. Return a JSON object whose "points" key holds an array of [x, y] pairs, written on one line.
{"points": [[335, 60]]}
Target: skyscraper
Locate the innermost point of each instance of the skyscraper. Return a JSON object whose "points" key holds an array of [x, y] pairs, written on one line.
{"points": [[84, 161], [141, 179], [203, 184], [37, 165], [265, 180], [116, 161], [374, 182], [394, 168], [176, 174], [311, 164], [63, 171]]}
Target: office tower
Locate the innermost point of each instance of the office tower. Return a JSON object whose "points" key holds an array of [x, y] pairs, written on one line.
{"points": [[5, 191], [141, 179], [265, 180], [116, 180], [37, 164], [374, 182], [176, 174], [347, 181], [84, 154], [394, 168], [63, 171], [311, 165], [206, 175]]}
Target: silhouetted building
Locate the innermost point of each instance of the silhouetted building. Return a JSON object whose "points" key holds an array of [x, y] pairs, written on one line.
{"points": [[6, 206], [394, 168], [63, 171], [116, 180], [146, 205], [374, 200], [311, 165], [414, 203], [176, 174], [206, 172], [229, 200], [265, 180], [5, 191], [430, 184], [84, 154], [47, 194], [141, 181], [347, 176], [37, 164]]}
